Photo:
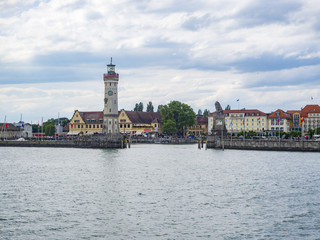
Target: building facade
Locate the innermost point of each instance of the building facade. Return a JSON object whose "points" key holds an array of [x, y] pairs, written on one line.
{"points": [[140, 123], [295, 120], [9, 131], [130, 122], [110, 111], [245, 120], [310, 118], [242, 120], [86, 123], [279, 120], [201, 126]]}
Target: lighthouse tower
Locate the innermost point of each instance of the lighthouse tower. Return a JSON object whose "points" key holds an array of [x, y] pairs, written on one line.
{"points": [[110, 111]]}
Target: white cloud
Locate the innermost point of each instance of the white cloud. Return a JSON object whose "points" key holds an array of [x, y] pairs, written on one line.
{"points": [[195, 51]]}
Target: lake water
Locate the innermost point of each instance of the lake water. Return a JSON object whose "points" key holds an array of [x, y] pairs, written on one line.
{"points": [[158, 192]]}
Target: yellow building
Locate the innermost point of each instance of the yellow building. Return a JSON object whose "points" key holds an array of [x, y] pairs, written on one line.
{"points": [[86, 123], [201, 125], [242, 120], [130, 122], [139, 123]]}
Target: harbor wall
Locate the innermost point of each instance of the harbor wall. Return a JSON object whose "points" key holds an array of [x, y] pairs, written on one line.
{"points": [[99, 141], [264, 144]]}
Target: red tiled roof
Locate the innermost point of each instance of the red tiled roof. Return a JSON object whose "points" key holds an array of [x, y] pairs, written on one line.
{"points": [[91, 115], [310, 109], [143, 117], [281, 114], [250, 111], [201, 120], [10, 127]]}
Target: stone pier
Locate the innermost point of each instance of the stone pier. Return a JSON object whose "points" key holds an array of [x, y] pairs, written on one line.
{"points": [[264, 144]]}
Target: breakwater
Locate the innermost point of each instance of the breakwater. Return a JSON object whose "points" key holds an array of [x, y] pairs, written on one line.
{"points": [[170, 140], [99, 141], [264, 144]]}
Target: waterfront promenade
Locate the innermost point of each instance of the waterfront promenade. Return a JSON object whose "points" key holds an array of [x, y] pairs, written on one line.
{"points": [[265, 144]]}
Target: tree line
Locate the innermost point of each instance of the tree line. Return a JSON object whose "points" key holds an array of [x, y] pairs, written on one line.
{"points": [[176, 117]]}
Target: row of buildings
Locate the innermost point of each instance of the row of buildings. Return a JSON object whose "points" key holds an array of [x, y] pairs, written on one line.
{"points": [[145, 123], [149, 123], [130, 122], [279, 120]]}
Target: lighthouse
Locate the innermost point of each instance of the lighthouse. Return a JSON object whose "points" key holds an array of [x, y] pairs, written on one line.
{"points": [[110, 111]]}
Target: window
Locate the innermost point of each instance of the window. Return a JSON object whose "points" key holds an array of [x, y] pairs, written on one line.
{"points": [[94, 126], [86, 126], [120, 125], [78, 126], [110, 110], [89, 125]]}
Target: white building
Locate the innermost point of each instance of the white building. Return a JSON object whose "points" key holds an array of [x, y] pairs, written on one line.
{"points": [[242, 120]]}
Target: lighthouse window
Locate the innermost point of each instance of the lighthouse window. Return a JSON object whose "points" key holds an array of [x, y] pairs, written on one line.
{"points": [[115, 101], [110, 84], [110, 110]]}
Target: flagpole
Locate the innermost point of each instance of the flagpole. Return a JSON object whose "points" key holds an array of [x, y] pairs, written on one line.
{"points": [[42, 128], [5, 130], [20, 125]]}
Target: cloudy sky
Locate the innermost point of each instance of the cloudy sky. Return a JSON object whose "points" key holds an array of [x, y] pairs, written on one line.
{"points": [[53, 54]]}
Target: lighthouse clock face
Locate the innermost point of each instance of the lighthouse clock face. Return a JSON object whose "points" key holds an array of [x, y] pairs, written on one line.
{"points": [[110, 93]]}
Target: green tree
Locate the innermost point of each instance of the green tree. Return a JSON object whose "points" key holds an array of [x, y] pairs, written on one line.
{"points": [[63, 121], [140, 107], [159, 107], [49, 129], [317, 131], [170, 127], [199, 112], [295, 133], [310, 132], [182, 114], [150, 107], [206, 113], [228, 107], [136, 107], [35, 128]]}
